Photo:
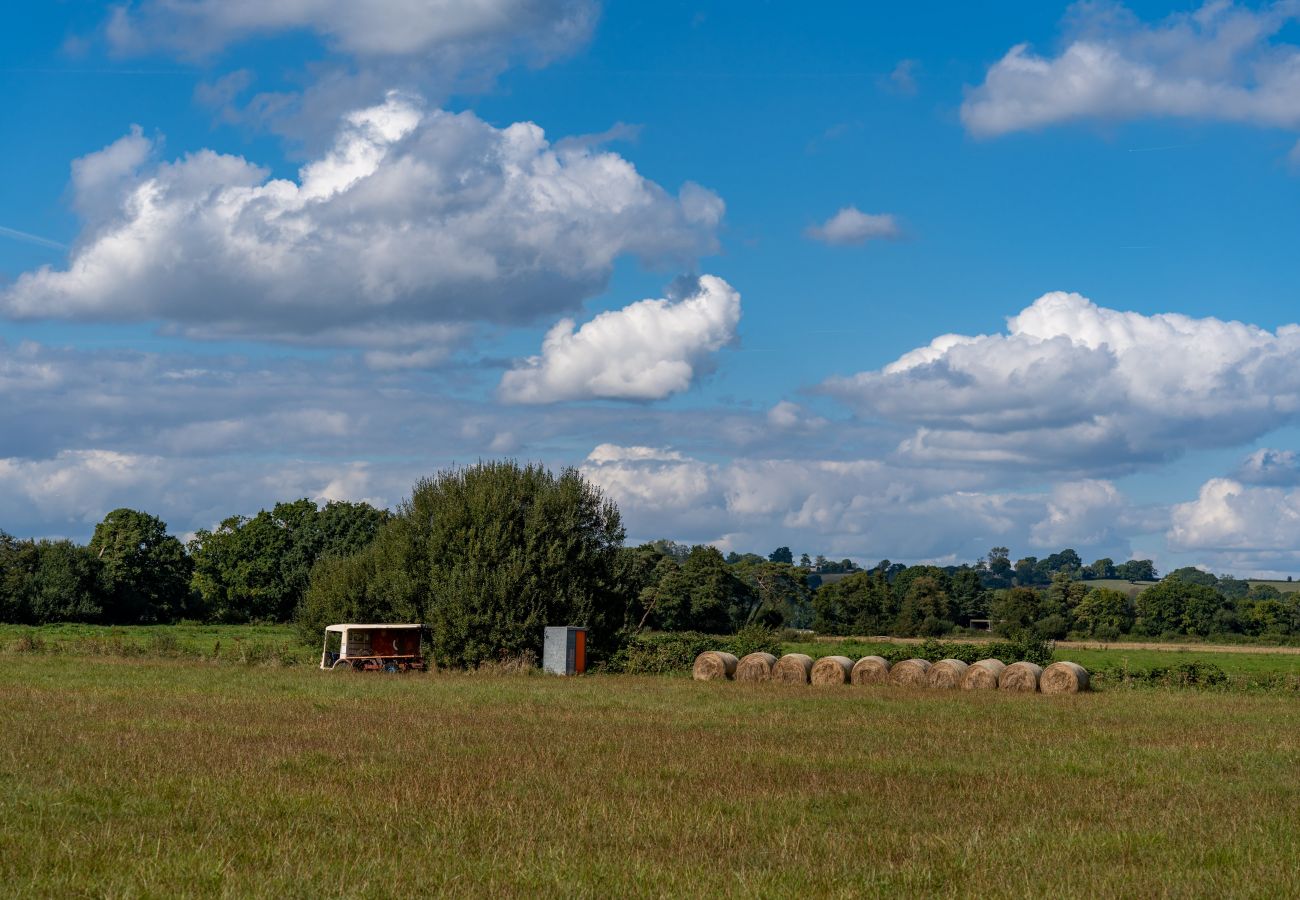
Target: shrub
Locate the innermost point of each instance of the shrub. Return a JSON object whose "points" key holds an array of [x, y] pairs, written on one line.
{"points": [[1022, 647], [675, 651]]}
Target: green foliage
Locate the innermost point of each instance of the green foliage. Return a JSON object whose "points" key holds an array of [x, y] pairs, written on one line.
{"points": [[257, 569], [1136, 570], [1015, 649], [1188, 674], [1104, 613], [146, 570], [659, 653], [486, 556], [1177, 606]]}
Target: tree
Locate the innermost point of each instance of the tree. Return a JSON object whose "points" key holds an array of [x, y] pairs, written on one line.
{"points": [[67, 585], [998, 567], [1136, 570], [924, 598], [1066, 560], [1102, 568], [487, 556], [1175, 606], [146, 570], [781, 555], [859, 604], [257, 569], [1015, 609], [1104, 613], [805, 562], [781, 591], [1193, 575], [1027, 571]]}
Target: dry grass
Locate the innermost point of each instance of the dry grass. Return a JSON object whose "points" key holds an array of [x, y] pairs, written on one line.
{"points": [[163, 778]]}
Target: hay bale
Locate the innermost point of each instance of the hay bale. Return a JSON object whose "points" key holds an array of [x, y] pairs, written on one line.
{"points": [[1021, 676], [793, 668], [982, 675], [1063, 678], [832, 670], [946, 674], [909, 673], [714, 665], [870, 670], [755, 667]]}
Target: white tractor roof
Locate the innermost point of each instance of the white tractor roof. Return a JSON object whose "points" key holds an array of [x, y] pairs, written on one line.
{"points": [[373, 625]]}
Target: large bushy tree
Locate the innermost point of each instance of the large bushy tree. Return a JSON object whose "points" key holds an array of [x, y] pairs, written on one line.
{"points": [[146, 570], [487, 556]]}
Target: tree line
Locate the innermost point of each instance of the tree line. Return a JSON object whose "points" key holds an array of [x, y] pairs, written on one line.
{"points": [[489, 554]]}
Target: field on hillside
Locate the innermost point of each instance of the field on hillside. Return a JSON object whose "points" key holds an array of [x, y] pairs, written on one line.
{"points": [[127, 777], [1134, 587]]}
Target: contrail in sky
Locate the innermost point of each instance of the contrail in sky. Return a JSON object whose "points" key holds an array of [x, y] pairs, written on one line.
{"points": [[31, 238]]}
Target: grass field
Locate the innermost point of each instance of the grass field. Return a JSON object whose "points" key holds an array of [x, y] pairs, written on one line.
{"points": [[128, 777], [1135, 587], [227, 643]]}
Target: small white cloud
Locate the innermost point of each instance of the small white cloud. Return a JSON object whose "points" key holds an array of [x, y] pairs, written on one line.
{"points": [[852, 226], [790, 416], [902, 80], [608, 453], [645, 351]]}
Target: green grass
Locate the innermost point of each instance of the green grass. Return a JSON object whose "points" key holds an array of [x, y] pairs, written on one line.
{"points": [[229, 643], [1123, 585], [162, 777], [1286, 587]]}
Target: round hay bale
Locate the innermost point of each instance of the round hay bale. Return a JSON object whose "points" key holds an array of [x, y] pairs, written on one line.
{"points": [[982, 675], [870, 670], [1063, 678], [714, 665], [1021, 676], [909, 673], [946, 674], [755, 667], [832, 670], [793, 668]]}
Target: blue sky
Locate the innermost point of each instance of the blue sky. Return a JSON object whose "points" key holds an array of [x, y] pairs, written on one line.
{"points": [[255, 251]]}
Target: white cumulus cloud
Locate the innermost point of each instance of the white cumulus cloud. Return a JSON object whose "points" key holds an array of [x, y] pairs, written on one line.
{"points": [[1239, 527], [1219, 62], [852, 226], [412, 217], [1078, 386], [645, 351]]}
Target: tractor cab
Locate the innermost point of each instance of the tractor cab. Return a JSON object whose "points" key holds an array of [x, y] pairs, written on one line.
{"points": [[373, 648]]}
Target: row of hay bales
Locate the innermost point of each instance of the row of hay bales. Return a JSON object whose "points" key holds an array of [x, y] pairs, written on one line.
{"points": [[952, 674]]}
